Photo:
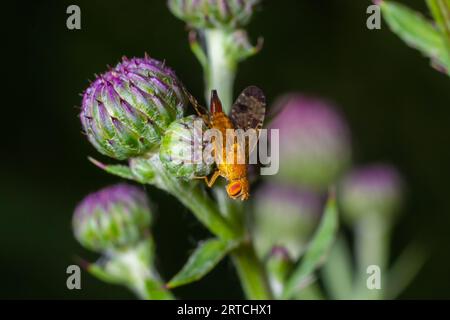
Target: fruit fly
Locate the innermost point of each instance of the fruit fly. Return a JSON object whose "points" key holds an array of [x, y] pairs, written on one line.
{"points": [[246, 113]]}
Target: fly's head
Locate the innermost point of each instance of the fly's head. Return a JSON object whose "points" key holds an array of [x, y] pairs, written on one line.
{"points": [[239, 189]]}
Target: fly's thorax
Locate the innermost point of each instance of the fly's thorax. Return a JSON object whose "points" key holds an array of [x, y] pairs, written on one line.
{"points": [[227, 159], [233, 171], [229, 156], [220, 121]]}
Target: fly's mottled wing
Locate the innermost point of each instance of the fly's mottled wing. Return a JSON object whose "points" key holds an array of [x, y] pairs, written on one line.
{"points": [[199, 109], [248, 111]]}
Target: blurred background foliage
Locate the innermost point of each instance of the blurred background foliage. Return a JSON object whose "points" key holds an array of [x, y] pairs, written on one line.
{"points": [[396, 105]]}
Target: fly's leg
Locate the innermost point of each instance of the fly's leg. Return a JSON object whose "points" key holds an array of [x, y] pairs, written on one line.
{"points": [[213, 178], [210, 182]]}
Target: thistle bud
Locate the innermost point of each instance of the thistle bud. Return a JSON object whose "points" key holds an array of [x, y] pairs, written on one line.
{"points": [[126, 110], [220, 14], [314, 142], [285, 217], [114, 217], [374, 189], [182, 148]]}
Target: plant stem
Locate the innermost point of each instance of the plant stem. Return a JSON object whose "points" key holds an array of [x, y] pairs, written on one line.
{"points": [[206, 211], [221, 69], [251, 273], [372, 238], [194, 198], [143, 279], [250, 270], [220, 73]]}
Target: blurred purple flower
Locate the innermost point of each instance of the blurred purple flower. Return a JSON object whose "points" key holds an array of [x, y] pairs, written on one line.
{"points": [[285, 217], [112, 217], [372, 189], [315, 143]]}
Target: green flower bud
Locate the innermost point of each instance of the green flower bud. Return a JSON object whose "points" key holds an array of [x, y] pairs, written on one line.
{"points": [[314, 142], [374, 189], [181, 151], [221, 14], [285, 217], [126, 110], [114, 217]]}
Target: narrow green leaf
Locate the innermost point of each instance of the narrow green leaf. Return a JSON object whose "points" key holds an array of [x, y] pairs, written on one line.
{"points": [[316, 253], [100, 273], [310, 292], [405, 269], [337, 271], [116, 169], [416, 31], [204, 259], [155, 291], [441, 14], [197, 49]]}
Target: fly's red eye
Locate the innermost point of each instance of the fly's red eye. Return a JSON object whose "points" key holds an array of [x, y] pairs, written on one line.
{"points": [[234, 188]]}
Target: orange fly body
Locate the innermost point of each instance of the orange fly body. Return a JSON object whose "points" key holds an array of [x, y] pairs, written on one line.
{"points": [[246, 113]]}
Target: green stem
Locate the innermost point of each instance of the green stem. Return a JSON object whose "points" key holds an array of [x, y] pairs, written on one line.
{"points": [[206, 211], [230, 210], [193, 197], [250, 270], [251, 273], [221, 69], [220, 73], [147, 288], [372, 239], [219, 66], [142, 278]]}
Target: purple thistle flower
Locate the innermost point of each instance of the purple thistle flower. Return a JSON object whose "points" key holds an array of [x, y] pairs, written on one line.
{"points": [[113, 217], [373, 189], [315, 143], [125, 111]]}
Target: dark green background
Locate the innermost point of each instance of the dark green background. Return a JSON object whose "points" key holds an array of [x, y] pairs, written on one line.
{"points": [[396, 105]]}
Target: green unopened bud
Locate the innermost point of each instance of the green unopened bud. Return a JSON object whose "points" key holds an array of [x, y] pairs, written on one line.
{"points": [[314, 142], [223, 14], [375, 189], [285, 217], [182, 149], [113, 218], [126, 110]]}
